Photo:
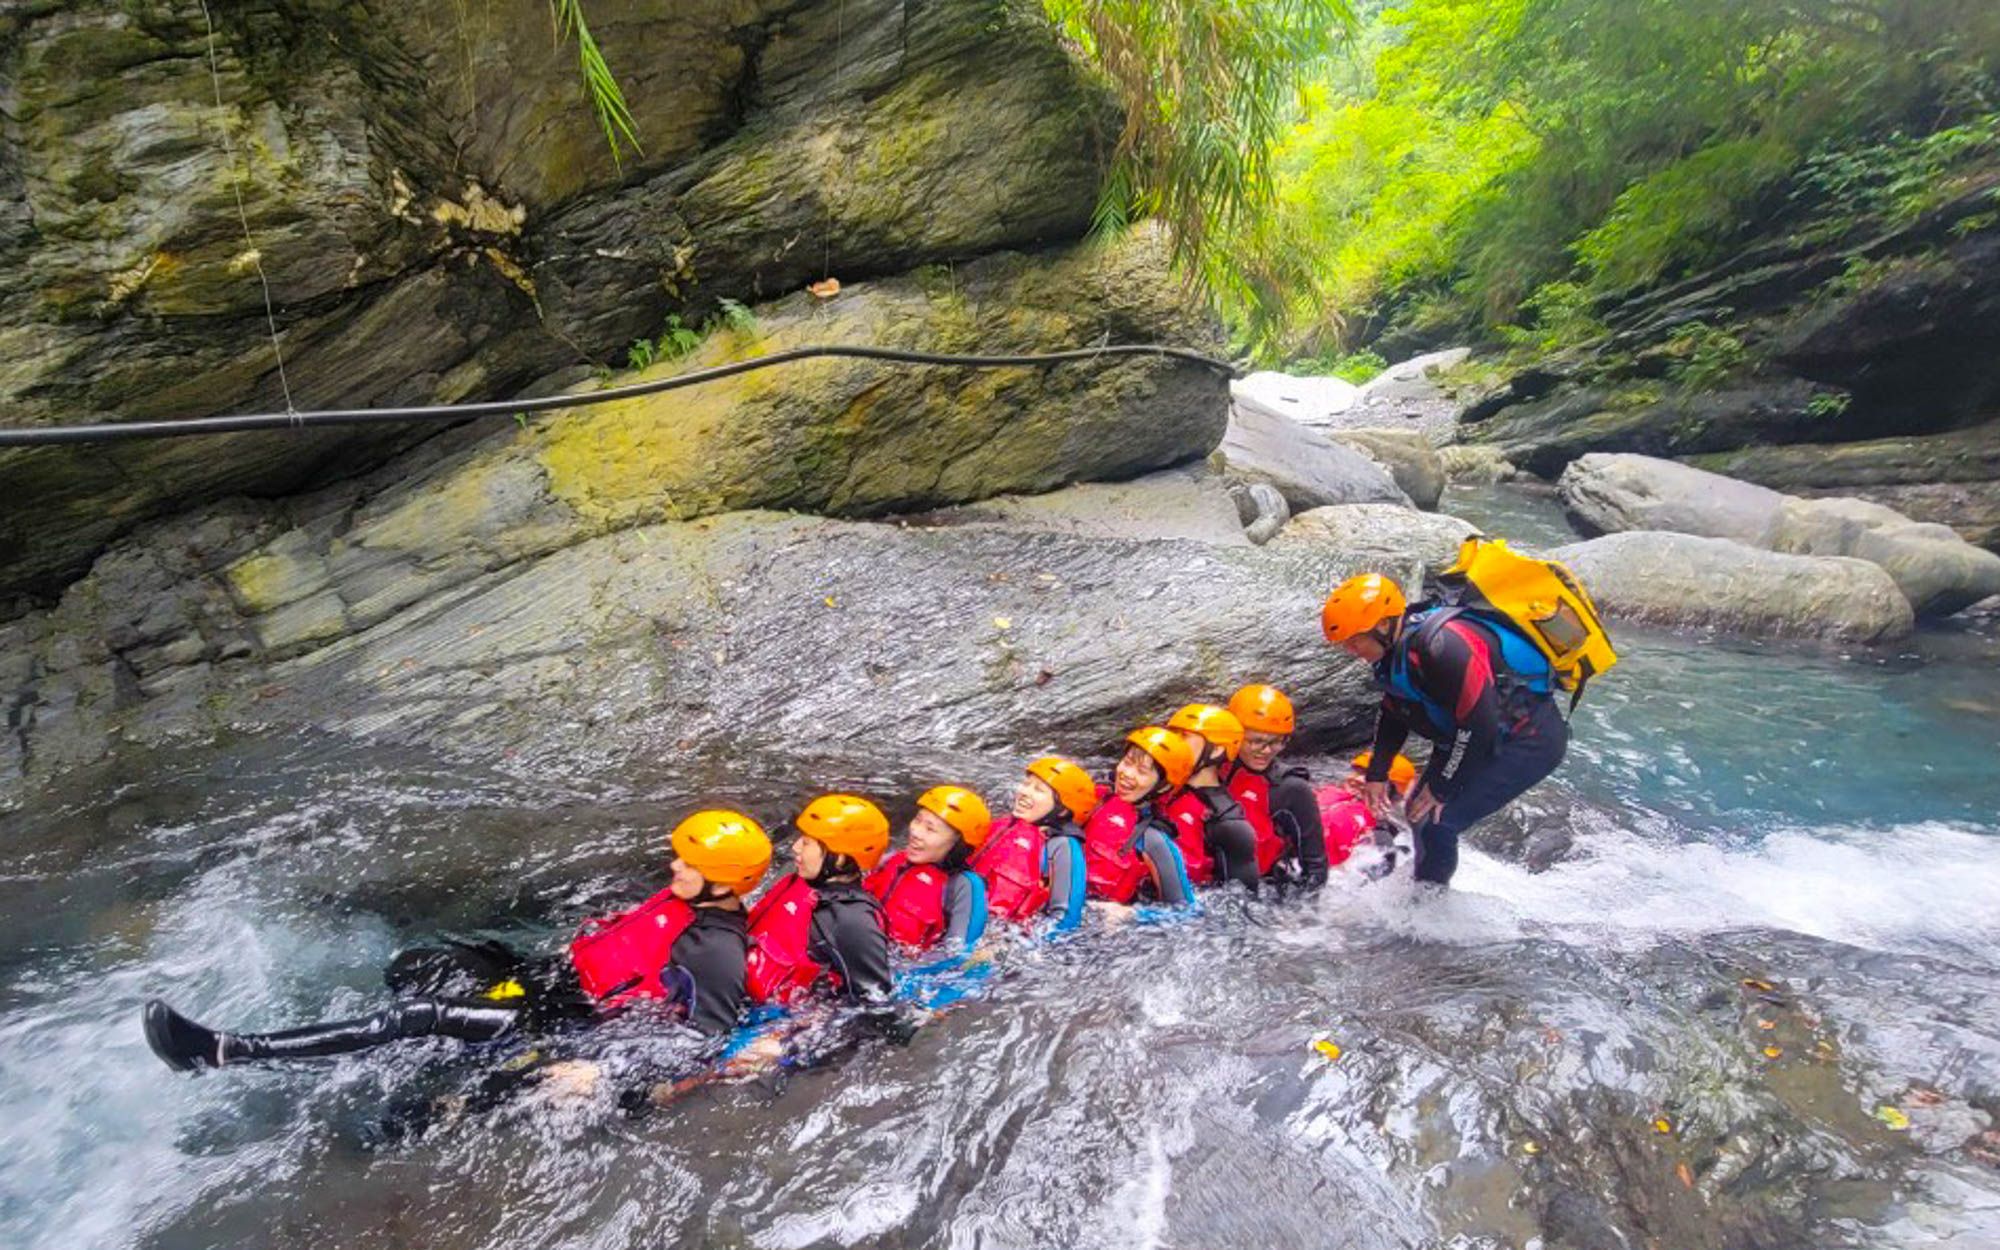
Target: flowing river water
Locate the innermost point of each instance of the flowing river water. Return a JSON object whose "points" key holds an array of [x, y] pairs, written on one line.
{"points": [[1732, 980]]}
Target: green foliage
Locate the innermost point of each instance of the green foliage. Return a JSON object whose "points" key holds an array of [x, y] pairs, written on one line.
{"points": [[1901, 178], [678, 339], [1701, 356], [1828, 404], [1509, 164], [1561, 313], [607, 98], [1208, 87], [1683, 214], [1356, 367]]}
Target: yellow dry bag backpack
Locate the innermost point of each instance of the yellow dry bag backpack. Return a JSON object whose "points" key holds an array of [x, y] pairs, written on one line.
{"points": [[1541, 599]]}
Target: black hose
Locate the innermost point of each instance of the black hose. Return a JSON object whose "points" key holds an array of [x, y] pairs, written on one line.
{"points": [[108, 432]]}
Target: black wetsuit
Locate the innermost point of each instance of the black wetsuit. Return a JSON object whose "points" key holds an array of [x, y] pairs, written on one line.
{"points": [[1229, 837], [847, 939], [1296, 820], [1499, 740], [481, 992]]}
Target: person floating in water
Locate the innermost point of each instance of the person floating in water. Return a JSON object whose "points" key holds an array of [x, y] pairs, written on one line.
{"points": [[1129, 847], [929, 896], [685, 948], [1032, 862], [1277, 798], [1479, 690]]}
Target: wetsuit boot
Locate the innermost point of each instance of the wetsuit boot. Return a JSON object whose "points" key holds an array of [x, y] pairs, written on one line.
{"points": [[187, 1046]]}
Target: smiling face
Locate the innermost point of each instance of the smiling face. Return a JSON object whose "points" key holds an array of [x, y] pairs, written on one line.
{"points": [[1136, 775], [930, 838], [1261, 750], [1033, 799], [687, 884], [809, 855]]}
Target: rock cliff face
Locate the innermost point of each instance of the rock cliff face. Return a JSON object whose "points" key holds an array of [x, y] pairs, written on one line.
{"points": [[1857, 367], [438, 218]]}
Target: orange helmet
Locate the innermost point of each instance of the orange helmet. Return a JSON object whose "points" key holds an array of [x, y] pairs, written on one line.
{"points": [[961, 809], [1402, 773], [727, 848], [1358, 605], [1215, 725], [1169, 750], [849, 825], [1073, 786], [1262, 709]]}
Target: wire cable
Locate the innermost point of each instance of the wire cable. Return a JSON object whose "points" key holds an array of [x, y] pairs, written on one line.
{"points": [[121, 431]]}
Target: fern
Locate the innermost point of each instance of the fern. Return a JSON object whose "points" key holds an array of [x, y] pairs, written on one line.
{"points": [[607, 98]]}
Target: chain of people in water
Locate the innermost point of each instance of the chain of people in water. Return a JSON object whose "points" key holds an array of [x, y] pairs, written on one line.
{"points": [[1204, 800]]}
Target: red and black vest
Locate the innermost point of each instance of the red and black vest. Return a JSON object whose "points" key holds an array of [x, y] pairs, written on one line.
{"points": [[1189, 817], [1347, 820], [1252, 791], [779, 968], [1114, 861], [619, 958], [1010, 862], [913, 900]]}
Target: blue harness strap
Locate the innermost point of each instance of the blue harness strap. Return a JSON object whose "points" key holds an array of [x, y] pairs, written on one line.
{"points": [[1521, 666]]}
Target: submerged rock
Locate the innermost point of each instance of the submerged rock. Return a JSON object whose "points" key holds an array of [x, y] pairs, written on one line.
{"points": [[1714, 583], [1937, 571]]}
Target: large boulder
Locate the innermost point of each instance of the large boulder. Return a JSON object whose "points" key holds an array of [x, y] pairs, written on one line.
{"points": [[727, 633], [1714, 583], [1384, 537], [1951, 478], [1475, 464], [1939, 572], [439, 217], [1607, 494], [1308, 469], [1307, 399], [1936, 570], [1190, 503], [1408, 456]]}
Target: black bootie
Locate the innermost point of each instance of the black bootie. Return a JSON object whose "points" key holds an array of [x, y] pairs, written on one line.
{"points": [[180, 1043], [187, 1045]]}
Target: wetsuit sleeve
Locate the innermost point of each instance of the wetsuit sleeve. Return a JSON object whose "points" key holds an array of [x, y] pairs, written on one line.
{"points": [[1169, 868], [710, 962], [1066, 878], [1392, 732], [1457, 675], [1295, 815], [1233, 843], [965, 911], [848, 939]]}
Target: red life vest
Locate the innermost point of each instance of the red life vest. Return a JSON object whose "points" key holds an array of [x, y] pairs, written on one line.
{"points": [[1347, 820], [1189, 817], [1114, 866], [1252, 790], [621, 957], [779, 969], [913, 900], [1010, 863]]}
